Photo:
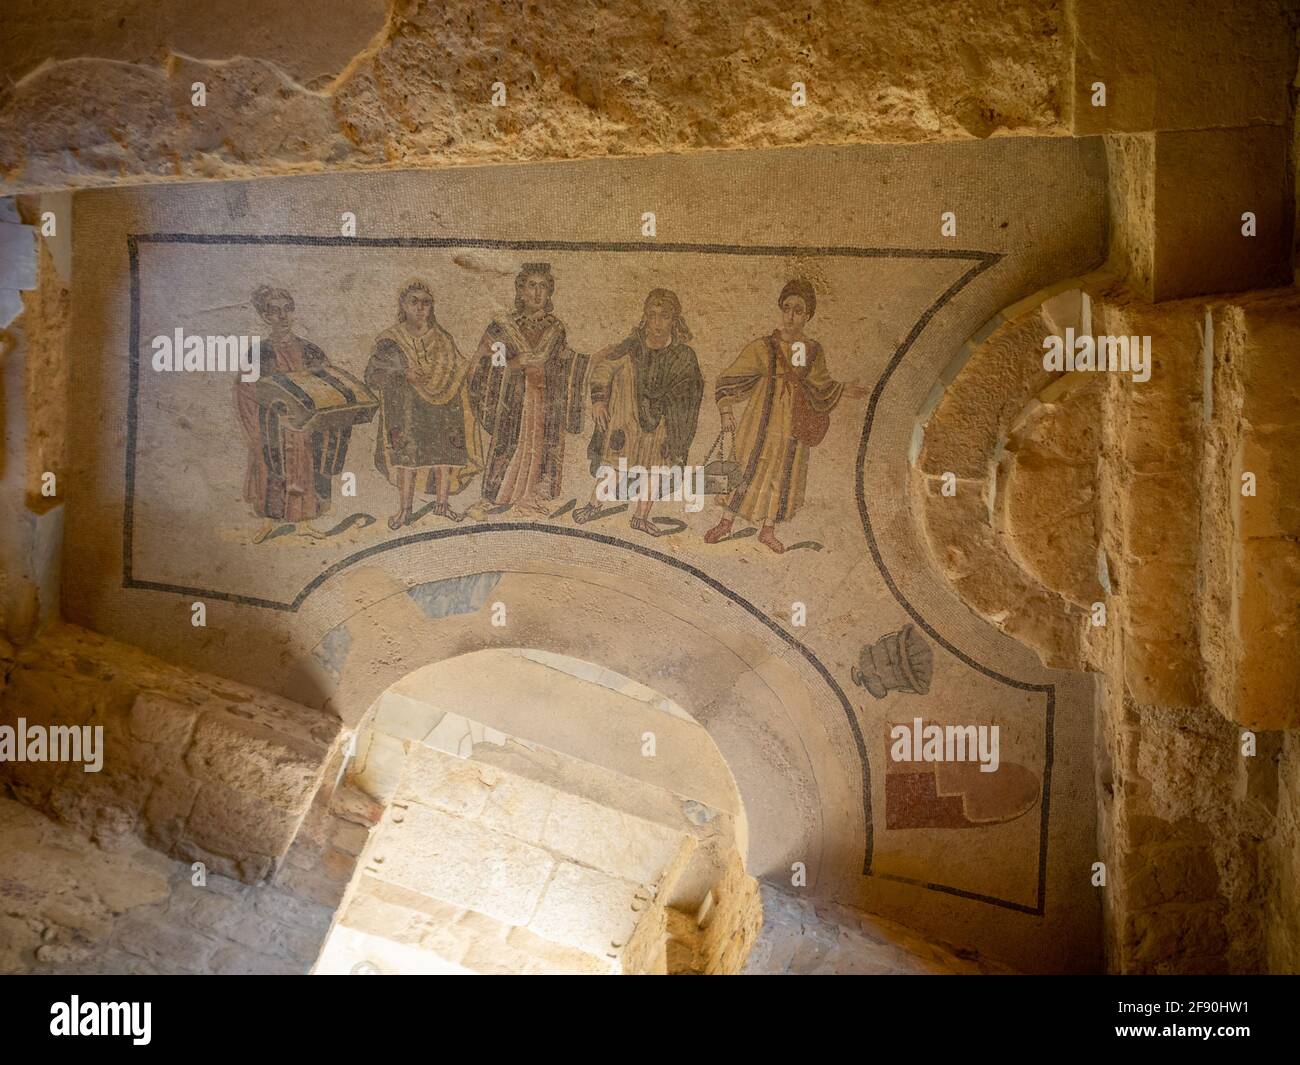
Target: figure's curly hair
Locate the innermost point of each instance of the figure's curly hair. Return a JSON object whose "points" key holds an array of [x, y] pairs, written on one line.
{"points": [[528, 270], [416, 284], [264, 294]]}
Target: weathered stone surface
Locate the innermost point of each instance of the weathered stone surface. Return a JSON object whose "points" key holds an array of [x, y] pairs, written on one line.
{"points": [[586, 909], [308, 49], [159, 720], [259, 762], [1179, 64], [799, 937], [586, 79], [203, 769], [609, 840], [1018, 539], [1205, 180], [440, 855]]}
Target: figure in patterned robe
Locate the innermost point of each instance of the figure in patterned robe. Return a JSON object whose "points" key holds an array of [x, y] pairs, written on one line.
{"points": [[526, 393], [787, 405]]}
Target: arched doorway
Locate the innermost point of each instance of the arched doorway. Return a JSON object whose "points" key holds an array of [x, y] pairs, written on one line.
{"points": [[543, 814]]}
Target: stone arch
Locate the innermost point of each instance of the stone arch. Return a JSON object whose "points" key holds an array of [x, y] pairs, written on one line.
{"points": [[784, 728], [1020, 540]]}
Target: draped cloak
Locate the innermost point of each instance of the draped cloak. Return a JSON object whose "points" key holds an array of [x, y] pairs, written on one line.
{"points": [[773, 464], [653, 397], [526, 406], [289, 472], [426, 422]]}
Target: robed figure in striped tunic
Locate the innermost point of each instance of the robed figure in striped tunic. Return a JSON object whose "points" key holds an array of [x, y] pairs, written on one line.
{"points": [[527, 392], [787, 394]]}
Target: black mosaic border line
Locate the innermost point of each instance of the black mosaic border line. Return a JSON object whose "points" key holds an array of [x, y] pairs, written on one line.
{"points": [[1049, 690], [982, 261]]}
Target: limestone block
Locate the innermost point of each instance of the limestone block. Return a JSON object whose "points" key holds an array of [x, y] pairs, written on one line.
{"points": [[1170, 874], [462, 863], [1048, 501], [348, 837], [556, 958], [1179, 64], [235, 824], [988, 392], [1131, 198], [518, 806], [1174, 932], [1205, 180], [1191, 760], [446, 783], [1268, 693], [1267, 533], [104, 808], [585, 80], [308, 49], [255, 760], [158, 720], [620, 844], [588, 910], [170, 802]]}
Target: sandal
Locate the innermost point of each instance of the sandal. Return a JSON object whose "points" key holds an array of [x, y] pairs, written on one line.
{"points": [[402, 517], [585, 514], [642, 525], [723, 528]]}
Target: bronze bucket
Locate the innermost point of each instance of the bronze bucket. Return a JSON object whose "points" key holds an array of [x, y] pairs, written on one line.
{"points": [[901, 661]]}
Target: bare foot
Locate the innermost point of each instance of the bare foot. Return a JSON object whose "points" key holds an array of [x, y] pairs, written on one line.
{"points": [[723, 528], [768, 537]]}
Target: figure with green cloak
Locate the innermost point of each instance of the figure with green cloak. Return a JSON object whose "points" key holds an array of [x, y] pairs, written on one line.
{"points": [[426, 431], [645, 396]]}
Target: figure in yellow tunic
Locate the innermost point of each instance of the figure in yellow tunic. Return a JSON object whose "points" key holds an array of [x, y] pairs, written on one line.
{"points": [[788, 394]]}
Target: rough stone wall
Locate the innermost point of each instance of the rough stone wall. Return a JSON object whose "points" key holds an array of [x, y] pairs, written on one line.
{"points": [[1198, 835], [71, 905], [412, 86], [99, 871], [1017, 535], [728, 930], [198, 767], [1282, 925], [119, 907]]}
